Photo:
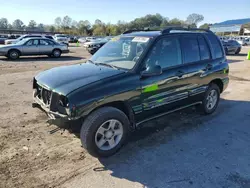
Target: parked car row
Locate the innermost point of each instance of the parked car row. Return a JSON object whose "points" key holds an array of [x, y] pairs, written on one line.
{"points": [[93, 44], [243, 40]]}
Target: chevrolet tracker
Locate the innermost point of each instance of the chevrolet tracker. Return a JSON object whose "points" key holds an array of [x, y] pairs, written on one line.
{"points": [[135, 77]]}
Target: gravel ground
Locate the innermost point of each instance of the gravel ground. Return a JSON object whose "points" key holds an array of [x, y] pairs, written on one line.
{"points": [[184, 149]]}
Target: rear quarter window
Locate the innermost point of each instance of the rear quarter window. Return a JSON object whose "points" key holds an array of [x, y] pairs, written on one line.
{"points": [[216, 46]]}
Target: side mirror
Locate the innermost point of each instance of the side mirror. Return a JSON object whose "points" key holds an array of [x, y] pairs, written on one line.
{"points": [[152, 71]]}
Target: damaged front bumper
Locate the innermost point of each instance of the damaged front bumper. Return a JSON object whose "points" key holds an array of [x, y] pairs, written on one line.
{"points": [[52, 115], [53, 104]]}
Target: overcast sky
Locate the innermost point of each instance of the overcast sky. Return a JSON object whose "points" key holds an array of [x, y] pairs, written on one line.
{"points": [[45, 11]]}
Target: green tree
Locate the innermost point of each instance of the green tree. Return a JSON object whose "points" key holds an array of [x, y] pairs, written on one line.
{"points": [[9, 26], [32, 24], [40, 27], [98, 22], [194, 19], [176, 22], [205, 26], [52, 28], [58, 22], [164, 23], [18, 24], [3, 23], [66, 23], [83, 27]]}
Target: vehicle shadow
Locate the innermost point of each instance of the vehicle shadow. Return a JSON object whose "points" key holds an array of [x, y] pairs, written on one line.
{"points": [[234, 60], [165, 153], [44, 58], [240, 54], [183, 149]]}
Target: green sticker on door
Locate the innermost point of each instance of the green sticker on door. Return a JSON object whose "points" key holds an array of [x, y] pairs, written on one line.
{"points": [[150, 88]]}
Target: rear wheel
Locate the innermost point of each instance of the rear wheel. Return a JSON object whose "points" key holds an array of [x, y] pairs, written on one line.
{"points": [[56, 53], [13, 54], [211, 99], [104, 131]]}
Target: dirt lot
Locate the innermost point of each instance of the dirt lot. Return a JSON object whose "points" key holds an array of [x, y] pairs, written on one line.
{"points": [[183, 149]]}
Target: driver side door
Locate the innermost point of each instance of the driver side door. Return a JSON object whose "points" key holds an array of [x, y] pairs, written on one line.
{"points": [[169, 90], [31, 47]]}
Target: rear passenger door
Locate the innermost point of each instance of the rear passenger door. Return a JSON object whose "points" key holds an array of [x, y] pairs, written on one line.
{"points": [[45, 46], [201, 65]]}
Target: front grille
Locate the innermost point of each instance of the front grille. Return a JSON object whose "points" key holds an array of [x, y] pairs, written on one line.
{"points": [[44, 95]]}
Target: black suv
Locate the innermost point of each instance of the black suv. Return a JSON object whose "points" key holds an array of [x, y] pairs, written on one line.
{"points": [[135, 77]]}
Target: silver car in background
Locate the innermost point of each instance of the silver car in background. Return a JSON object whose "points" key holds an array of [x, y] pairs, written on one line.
{"points": [[61, 39], [13, 41], [34, 46]]}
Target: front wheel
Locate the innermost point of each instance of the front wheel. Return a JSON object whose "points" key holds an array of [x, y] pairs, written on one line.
{"points": [[211, 99], [13, 54], [237, 51], [104, 131]]}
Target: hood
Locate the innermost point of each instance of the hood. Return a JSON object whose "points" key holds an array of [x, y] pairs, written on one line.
{"points": [[9, 46], [96, 42], [12, 41], [62, 38], [66, 79]]}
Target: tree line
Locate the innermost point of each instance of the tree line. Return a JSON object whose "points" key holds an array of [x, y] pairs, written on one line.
{"points": [[99, 28]]}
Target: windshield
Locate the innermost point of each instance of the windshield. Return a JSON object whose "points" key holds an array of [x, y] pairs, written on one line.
{"points": [[21, 42], [121, 52], [61, 36], [20, 38]]}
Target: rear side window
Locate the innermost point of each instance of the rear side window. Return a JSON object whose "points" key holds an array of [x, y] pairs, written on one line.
{"points": [[216, 47], [204, 49], [190, 49]]}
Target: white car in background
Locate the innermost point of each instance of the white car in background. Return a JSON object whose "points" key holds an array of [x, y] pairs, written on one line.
{"points": [[14, 41], [82, 40], [243, 41], [90, 42], [61, 39]]}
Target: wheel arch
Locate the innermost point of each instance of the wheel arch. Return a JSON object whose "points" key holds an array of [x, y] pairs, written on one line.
{"points": [[124, 107], [14, 49], [57, 49], [219, 83]]}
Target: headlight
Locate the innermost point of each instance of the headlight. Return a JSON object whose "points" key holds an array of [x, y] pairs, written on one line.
{"points": [[63, 101]]}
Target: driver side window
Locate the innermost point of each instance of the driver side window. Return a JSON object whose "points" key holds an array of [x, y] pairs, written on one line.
{"points": [[166, 53]]}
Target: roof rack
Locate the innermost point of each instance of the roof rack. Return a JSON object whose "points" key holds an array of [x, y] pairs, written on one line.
{"points": [[137, 30], [168, 29]]}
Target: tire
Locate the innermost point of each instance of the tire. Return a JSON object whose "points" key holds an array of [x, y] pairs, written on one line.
{"points": [[13, 54], [56, 53], [90, 131], [237, 51], [204, 106]]}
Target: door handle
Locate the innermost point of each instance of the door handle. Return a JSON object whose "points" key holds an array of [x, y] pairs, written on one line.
{"points": [[209, 67], [179, 74]]}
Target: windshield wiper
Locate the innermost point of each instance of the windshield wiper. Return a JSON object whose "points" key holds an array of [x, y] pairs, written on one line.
{"points": [[92, 61], [109, 65]]}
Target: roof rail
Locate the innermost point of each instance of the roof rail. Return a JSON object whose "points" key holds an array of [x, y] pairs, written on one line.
{"points": [[168, 29], [137, 30]]}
